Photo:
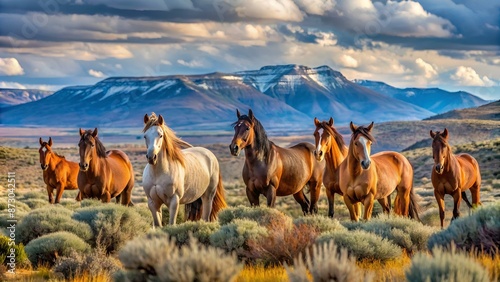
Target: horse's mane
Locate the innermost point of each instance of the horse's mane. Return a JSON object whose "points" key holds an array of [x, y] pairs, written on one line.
{"points": [[57, 155], [101, 150], [333, 132], [262, 143], [441, 139], [173, 144], [363, 131]]}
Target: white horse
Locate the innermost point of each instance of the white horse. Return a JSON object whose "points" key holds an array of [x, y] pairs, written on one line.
{"points": [[174, 176]]}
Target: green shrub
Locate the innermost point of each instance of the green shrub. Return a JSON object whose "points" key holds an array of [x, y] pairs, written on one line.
{"points": [[112, 224], [362, 245], [445, 266], [478, 232], [320, 223], [327, 263], [48, 220], [36, 203], [21, 258], [155, 257], [234, 236], [409, 234], [201, 230], [46, 249], [42, 195], [91, 264], [90, 203], [263, 215]]}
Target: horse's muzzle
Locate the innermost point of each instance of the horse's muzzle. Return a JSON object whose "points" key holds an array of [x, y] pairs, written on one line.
{"points": [[152, 159], [235, 150], [319, 155], [439, 168], [365, 164], [84, 167], [44, 167]]}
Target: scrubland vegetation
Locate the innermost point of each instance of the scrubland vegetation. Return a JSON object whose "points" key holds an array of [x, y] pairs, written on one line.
{"points": [[91, 241]]}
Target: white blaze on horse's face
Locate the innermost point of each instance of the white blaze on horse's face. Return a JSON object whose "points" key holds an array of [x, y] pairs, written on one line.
{"points": [[365, 160], [154, 142], [319, 148]]}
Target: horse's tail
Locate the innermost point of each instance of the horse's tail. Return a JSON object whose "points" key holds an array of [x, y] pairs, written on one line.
{"points": [[414, 207], [219, 200], [193, 210]]}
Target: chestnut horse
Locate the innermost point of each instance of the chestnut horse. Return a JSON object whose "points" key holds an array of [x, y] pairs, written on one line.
{"points": [[173, 176], [453, 175], [103, 174], [58, 173], [274, 171], [362, 180], [330, 146]]}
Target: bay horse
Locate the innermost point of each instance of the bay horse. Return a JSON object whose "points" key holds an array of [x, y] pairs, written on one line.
{"points": [[365, 178], [331, 147], [175, 176], [453, 175], [275, 171], [103, 174], [59, 174]]}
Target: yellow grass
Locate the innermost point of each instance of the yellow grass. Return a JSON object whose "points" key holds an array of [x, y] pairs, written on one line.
{"points": [[262, 274], [492, 264], [387, 271]]}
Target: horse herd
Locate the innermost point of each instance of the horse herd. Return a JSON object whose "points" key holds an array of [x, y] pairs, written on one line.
{"points": [[178, 173]]}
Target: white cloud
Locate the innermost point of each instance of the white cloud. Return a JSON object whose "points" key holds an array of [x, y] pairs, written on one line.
{"points": [[428, 69], [316, 7], [326, 39], [467, 76], [10, 66], [16, 85], [8, 84], [165, 62], [284, 10], [95, 73], [191, 64], [348, 61]]}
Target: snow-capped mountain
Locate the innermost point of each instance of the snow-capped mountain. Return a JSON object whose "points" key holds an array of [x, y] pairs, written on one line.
{"points": [[11, 97], [285, 96], [433, 99]]}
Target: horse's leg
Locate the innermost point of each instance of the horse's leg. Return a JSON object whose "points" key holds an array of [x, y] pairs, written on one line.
{"points": [[385, 205], [78, 196], [155, 212], [127, 193], [106, 197], [330, 195], [50, 191], [252, 196], [301, 198], [352, 207], [173, 209], [315, 187], [440, 202], [457, 198], [474, 190], [117, 198], [271, 196], [59, 192], [368, 203]]}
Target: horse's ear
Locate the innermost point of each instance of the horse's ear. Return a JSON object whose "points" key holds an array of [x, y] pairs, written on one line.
{"points": [[370, 127], [330, 122], [353, 127], [146, 118], [238, 113], [41, 141], [445, 134], [94, 134], [160, 120], [82, 132], [50, 141], [250, 114], [432, 134], [316, 122]]}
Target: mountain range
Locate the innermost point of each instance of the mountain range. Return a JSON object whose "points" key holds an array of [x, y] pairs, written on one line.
{"points": [[282, 97], [11, 97]]}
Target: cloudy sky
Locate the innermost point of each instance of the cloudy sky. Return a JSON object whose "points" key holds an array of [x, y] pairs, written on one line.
{"points": [[452, 44]]}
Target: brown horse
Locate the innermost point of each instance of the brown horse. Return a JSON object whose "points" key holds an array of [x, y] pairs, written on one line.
{"points": [[362, 180], [58, 173], [274, 171], [453, 175], [330, 146], [103, 174]]}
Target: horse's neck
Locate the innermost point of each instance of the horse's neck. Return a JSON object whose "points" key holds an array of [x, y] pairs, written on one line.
{"points": [[252, 155], [163, 164], [335, 156], [353, 164], [451, 161], [54, 161], [95, 166]]}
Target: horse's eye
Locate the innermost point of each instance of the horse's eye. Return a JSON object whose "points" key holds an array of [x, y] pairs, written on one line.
{"points": [[92, 145], [248, 128], [356, 143], [161, 135]]}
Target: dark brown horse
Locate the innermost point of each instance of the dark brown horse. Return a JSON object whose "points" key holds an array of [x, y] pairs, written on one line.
{"points": [[58, 173], [453, 175], [330, 146], [103, 174], [365, 178], [274, 171]]}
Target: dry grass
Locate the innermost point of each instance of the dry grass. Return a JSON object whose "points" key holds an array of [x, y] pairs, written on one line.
{"points": [[262, 274], [393, 270]]}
